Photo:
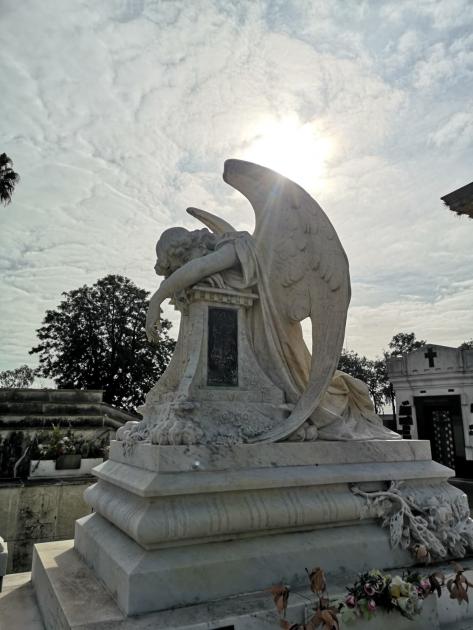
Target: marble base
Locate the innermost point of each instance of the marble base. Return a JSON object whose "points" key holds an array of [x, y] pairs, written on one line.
{"points": [[71, 598], [179, 525], [144, 581], [164, 496]]}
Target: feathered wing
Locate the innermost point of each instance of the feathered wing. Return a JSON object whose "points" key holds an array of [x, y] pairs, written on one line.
{"points": [[215, 224], [305, 273]]}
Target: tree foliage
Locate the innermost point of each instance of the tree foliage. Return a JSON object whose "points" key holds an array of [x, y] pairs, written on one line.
{"points": [[366, 370], [466, 345], [8, 179], [403, 343], [22, 376], [374, 372], [95, 339]]}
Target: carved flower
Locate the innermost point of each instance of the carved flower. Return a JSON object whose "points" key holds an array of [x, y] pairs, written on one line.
{"points": [[371, 605]]}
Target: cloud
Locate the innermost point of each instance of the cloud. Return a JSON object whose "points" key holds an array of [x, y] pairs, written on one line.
{"points": [[458, 131], [119, 115]]}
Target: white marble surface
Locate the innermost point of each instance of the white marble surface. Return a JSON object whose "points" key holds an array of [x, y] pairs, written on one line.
{"points": [[148, 484], [47, 468], [157, 458], [296, 267], [67, 589], [64, 584], [178, 576], [179, 503]]}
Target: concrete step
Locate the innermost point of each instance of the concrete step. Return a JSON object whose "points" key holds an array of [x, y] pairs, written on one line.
{"points": [[19, 422], [72, 597], [61, 395], [32, 407]]}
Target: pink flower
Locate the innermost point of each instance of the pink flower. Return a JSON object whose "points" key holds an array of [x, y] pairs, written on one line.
{"points": [[350, 601], [371, 605], [425, 584], [369, 590]]}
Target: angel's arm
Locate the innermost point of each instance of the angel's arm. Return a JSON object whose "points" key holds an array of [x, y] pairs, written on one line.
{"points": [[188, 275]]}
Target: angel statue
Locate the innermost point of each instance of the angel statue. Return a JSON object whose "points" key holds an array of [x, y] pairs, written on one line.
{"points": [[295, 265]]}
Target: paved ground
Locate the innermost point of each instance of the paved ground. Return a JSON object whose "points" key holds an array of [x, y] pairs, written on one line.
{"points": [[18, 609]]}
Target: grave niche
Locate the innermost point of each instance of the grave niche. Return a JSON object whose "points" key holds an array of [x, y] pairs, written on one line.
{"points": [[222, 347]]}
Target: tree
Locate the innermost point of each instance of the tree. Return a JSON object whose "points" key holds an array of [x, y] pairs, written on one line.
{"points": [[95, 339], [367, 371], [402, 343], [22, 376], [466, 345], [8, 179]]}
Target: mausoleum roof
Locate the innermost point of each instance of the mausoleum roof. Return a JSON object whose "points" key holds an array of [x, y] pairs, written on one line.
{"points": [[460, 200]]}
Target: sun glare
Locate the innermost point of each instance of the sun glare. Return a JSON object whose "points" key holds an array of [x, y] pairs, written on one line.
{"points": [[295, 150]]}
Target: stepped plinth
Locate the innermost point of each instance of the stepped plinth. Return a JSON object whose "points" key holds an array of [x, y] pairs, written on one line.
{"points": [[179, 525]]}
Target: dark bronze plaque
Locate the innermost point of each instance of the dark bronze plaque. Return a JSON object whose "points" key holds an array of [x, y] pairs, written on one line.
{"points": [[222, 362]]}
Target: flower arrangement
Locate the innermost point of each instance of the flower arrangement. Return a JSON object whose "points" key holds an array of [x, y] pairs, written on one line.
{"points": [[57, 443], [54, 444], [373, 591]]}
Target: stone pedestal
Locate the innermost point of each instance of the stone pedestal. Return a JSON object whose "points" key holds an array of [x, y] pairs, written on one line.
{"points": [[174, 525], [213, 391]]}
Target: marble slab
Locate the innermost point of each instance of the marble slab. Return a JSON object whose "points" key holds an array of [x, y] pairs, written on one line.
{"points": [[278, 455], [69, 598], [146, 483]]}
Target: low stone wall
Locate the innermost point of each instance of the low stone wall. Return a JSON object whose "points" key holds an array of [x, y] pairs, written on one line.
{"points": [[38, 511]]}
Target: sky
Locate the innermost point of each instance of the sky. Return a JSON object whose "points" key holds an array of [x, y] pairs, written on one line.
{"points": [[119, 114]]}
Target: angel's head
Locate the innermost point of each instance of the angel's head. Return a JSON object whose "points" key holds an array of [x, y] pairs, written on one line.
{"points": [[177, 246]]}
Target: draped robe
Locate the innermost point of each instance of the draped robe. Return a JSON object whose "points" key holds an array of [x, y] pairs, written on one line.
{"points": [[346, 411]]}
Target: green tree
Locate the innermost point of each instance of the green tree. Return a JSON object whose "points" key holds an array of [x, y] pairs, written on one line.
{"points": [[367, 371], [22, 376], [8, 179], [403, 343], [95, 339]]}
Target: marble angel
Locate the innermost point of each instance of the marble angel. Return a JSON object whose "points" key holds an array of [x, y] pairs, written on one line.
{"points": [[296, 265]]}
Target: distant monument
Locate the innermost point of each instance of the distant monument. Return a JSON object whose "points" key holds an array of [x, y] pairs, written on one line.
{"points": [[254, 458]]}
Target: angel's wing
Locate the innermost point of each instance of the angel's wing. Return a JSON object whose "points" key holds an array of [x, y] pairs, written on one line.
{"points": [[304, 268], [215, 224]]}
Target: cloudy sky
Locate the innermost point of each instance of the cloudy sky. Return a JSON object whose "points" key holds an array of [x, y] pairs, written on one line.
{"points": [[119, 114]]}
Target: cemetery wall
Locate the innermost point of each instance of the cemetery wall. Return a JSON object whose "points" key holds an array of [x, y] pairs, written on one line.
{"points": [[38, 511]]}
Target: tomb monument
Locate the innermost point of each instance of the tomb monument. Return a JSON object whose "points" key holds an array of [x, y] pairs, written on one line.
{"points": [[255, 458]]}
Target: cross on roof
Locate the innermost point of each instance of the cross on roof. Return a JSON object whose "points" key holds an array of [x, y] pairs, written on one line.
{"points": [[431, 355]]}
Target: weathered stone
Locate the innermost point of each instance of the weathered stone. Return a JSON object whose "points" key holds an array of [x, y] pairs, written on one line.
{"points": [[291, 268], [171, 523]]}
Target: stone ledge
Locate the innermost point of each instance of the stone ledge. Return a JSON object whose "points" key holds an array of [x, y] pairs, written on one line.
{"points": [[146, 483], [247, 612], [156, 522], [145, 581], [279, 455]]}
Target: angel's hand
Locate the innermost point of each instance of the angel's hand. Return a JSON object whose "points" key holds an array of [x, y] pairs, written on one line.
{"points": [[153, 323], [216, 280]]}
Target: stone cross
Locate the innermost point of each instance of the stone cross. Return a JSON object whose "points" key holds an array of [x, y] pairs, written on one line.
{"points": [[430, 355]]}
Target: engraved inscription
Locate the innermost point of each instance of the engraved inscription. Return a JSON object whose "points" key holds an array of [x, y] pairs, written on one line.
{"points": [[222, 364]]}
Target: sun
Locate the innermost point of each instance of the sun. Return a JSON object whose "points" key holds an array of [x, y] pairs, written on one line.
{"points": [[298, 151]]}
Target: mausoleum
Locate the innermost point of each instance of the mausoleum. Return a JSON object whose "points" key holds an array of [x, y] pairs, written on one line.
{"points": [[434, 400]]}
